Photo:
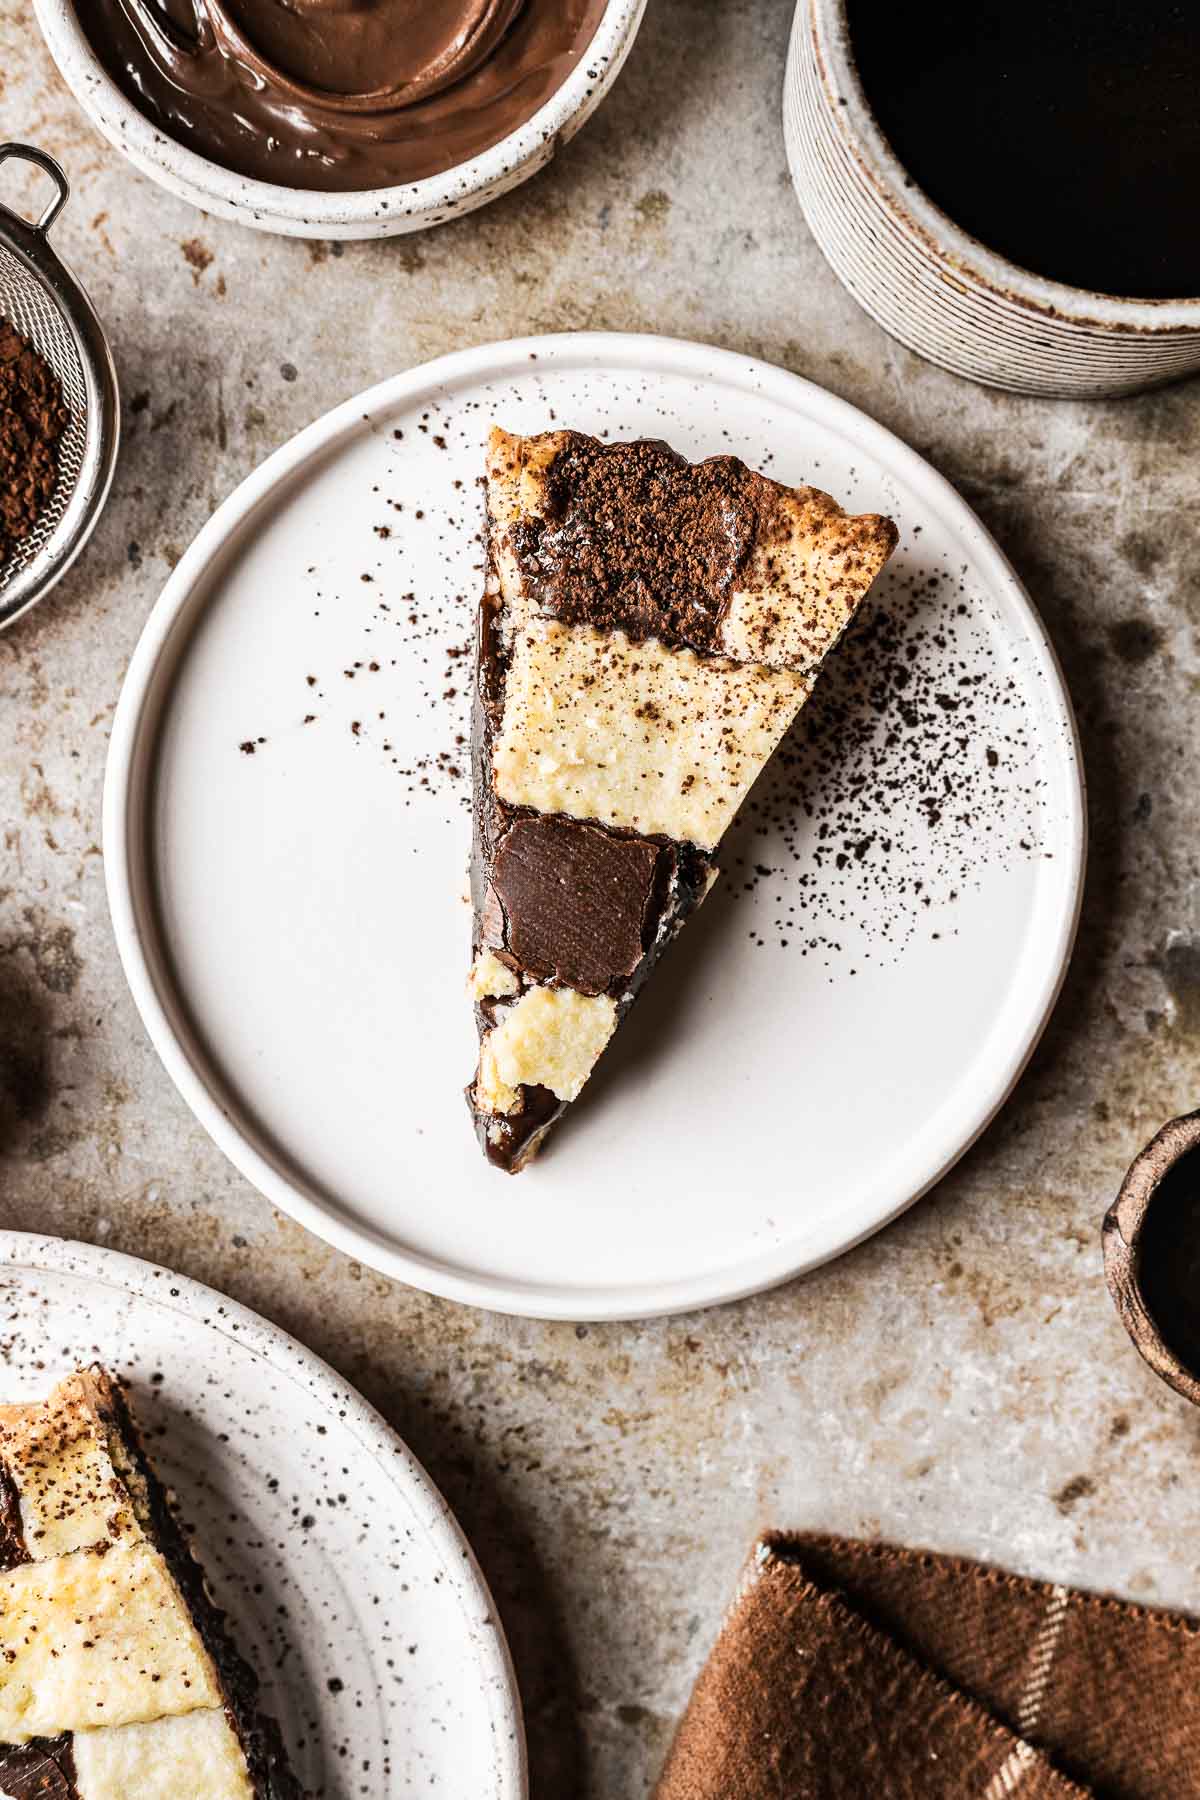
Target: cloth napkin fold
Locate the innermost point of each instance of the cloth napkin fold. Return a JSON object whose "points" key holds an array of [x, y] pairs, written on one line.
{"points": [[856, 1671]]}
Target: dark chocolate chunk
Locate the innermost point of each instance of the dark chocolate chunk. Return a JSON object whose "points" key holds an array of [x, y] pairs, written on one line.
{"points": [[576, 899], [43, 1769]]}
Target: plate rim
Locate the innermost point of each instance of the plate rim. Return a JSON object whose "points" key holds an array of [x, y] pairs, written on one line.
{"points": [[534, 1299], [42, 1253]]}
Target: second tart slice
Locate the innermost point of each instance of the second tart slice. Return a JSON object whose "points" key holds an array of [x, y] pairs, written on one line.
{"points": [[118, 1677], [649, 630]]}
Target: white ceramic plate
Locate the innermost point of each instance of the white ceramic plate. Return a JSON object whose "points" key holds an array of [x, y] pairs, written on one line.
{"points": [[335, 1557], [291, 914]]}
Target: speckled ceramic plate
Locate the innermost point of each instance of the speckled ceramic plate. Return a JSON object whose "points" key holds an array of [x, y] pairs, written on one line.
{"points": [[287, 830], [350, 1586]]}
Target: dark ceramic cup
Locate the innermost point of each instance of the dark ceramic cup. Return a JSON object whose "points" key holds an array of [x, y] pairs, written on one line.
{"points": [[1152, 1254]]}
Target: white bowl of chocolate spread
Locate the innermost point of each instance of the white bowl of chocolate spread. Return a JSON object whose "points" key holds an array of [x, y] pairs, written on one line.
{"points": [[339, 118]]}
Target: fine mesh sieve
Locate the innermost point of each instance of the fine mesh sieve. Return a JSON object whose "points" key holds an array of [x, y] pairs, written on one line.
{"points": [[47, 305]]}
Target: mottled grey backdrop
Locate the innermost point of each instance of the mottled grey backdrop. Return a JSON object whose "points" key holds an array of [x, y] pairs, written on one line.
{"points": [[960, 1381]]}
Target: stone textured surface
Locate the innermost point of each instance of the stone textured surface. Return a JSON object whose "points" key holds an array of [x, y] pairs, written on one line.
{"points": [[962, 1380]]}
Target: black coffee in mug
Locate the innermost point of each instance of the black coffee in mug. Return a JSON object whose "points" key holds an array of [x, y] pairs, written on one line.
{"points": [[1064, 134]]}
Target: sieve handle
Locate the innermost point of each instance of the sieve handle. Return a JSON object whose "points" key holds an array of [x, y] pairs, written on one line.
{"points": [[52, 169]]}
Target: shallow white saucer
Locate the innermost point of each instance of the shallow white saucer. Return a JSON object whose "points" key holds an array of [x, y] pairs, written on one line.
{"points": [[348, 1584], [287, 830]]}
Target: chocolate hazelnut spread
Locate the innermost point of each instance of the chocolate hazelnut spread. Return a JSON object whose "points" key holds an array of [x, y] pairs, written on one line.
{"points": [[33, 419], [43, 1769], [339, 95]]}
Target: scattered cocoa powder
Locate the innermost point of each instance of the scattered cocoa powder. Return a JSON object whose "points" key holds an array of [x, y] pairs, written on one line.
{"points": [[33, 419]]}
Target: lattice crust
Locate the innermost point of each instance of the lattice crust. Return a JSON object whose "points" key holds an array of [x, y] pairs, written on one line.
{"points": [[107, 1685]]}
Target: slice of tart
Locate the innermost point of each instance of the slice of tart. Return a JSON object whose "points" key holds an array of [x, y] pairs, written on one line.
{"points": [[649, 630], [118, 1677]]}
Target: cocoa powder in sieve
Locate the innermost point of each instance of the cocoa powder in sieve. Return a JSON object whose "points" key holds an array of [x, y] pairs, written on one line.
{"points": [[33, 418]]}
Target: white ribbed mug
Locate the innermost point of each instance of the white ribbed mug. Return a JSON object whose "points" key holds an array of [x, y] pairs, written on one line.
{"points": [[935, 288]]}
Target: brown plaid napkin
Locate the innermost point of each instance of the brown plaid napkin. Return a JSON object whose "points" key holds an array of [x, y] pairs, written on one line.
{"points": [[849, 1670]]}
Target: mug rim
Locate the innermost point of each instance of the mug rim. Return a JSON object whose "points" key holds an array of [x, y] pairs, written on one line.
{"points": [[949, 242], [298, 211], [1121, 1242]]}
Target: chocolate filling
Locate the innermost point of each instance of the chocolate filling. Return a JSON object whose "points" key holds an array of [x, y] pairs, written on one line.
{"points": [[636, 538], [576, 900], [259, 1736], [510, 1139], [343, 98], [12, 1531], [43, 1769]]}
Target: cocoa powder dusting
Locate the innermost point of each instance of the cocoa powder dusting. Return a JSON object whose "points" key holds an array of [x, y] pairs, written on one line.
{"points": [[914, 766], [636, 538], [33, 418]]}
